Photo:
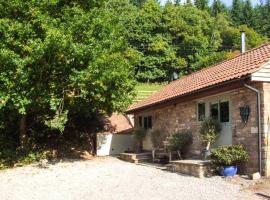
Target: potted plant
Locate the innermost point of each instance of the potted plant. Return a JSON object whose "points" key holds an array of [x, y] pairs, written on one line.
{"points": [[226, 158], [180, 142], [157, 139], [209, 130], [139, 135]]}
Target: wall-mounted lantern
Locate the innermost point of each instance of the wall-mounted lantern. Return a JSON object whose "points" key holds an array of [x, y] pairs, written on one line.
{"points": [[244, 113]]}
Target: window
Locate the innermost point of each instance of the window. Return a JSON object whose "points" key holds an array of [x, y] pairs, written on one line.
{"points": [[145, 122], [224, 112], [149, 119], [140, 121], [214, 111], [201, 111]]}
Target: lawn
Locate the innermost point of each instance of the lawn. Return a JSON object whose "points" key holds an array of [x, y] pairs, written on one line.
{"points": [[144, 90]]}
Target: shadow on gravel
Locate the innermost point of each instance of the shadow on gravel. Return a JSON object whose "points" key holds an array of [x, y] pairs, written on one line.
{"points": [[263, 195]]}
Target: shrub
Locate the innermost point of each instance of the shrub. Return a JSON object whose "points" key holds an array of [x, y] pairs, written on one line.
{"points": [[157, 138], [180, 141], [139, 135], [229, 155], [33, 157], [8, 158], [209, 130]]}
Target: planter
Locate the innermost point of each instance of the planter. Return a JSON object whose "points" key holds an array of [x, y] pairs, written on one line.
{"points": [[228, 170]]}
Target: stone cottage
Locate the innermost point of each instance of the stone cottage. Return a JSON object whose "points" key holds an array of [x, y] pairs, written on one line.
{"points": [[236, 92]]}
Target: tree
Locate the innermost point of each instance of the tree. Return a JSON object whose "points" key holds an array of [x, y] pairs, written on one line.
{"points": [[138, 3], [175, 39], [60, 59], [201, 4], [262, 18], [189, 3], [248, 14], [177, 2], [209, 131], [237, 12], [217, 7]]}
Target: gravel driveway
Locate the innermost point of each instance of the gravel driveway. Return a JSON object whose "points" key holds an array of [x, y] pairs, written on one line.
{"points": [[109, 178]]}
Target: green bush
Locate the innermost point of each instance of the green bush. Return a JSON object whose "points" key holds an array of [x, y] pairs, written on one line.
{"points": [[9, 158], [157, 138], [229, 155], [139, 134], [33, 157], [209, 130], [180, 141]]}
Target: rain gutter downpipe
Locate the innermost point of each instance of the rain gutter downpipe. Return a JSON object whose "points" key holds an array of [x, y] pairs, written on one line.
{"points": [[259, 124]]}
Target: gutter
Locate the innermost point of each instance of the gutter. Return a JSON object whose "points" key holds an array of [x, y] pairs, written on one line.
{"points": [[259, 124]]}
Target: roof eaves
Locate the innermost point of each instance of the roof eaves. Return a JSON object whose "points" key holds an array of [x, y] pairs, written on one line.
{"points": [[145, 107]]}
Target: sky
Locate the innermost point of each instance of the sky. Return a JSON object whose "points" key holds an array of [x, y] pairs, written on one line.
{"points": [[226, 2]]}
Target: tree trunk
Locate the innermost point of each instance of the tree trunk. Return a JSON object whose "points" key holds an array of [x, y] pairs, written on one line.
{"points": [[23, 133], [153, 154], [208, 146], [179, 154]]}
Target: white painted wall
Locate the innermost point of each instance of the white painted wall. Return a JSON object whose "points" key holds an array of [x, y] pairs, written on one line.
{"points": [[262, 75], [109, 144]]}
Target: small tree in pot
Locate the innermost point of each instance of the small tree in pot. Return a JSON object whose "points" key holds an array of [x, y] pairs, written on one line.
{"points": [[209, 130], [139, 135], [157, 139], [180, 142], [226, 158]]}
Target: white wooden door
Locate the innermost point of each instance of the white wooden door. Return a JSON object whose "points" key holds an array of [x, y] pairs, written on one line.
{"points": [[221, 111]]}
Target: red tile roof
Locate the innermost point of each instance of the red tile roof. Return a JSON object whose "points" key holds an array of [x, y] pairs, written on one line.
{"points": [[117, 124], [235, 68]]}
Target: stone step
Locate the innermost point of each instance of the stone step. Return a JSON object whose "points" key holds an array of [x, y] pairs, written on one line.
{"points": [[136, 158], [137, 161]]}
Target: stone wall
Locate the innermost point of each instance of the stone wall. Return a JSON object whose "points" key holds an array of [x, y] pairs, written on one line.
{"points": [[177, 117], [174, 118], [246, 134]]}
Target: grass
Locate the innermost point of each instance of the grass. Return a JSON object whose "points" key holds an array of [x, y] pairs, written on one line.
{"points": [[144, 90]]}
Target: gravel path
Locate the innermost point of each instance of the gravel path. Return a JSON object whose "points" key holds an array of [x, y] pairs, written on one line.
{"points": [[109, 178]]}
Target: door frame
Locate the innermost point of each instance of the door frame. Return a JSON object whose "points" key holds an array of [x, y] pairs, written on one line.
{"points": [[218, 99]]}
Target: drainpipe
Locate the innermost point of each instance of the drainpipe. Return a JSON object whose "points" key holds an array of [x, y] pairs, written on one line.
{"points": [[259, 124]]}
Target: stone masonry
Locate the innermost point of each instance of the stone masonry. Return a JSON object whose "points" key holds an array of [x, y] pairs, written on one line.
{"points": [[177, 117]]}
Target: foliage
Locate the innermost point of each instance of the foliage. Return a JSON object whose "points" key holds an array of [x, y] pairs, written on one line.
{"points": [[209, 130], [58, 122], [201, 4], [180, 141], [179, 38], [218, 7], [157, 138], [229, 155], [140, 134], [236, 12], [60, 59], [9, 158]]}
